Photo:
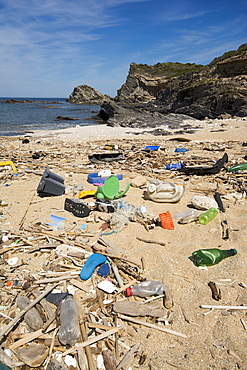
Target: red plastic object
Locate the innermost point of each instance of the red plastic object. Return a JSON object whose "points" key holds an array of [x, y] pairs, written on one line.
{"points": [[166, 221]]}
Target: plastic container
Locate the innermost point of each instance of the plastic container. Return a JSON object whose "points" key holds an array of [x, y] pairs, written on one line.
{"points": [[186, 217], [50, 184], [181, 150], [146, 289], [69, 331], [238, 167], [174, 166], [32, 316], [209, 257], [166, 221], [207, 216], [96, 178]]}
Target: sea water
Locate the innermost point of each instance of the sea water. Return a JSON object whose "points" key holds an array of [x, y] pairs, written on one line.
{"points": [[41, 114]]}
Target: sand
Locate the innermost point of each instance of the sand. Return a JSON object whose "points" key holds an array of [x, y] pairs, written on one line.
{"points": [[215, 339]]}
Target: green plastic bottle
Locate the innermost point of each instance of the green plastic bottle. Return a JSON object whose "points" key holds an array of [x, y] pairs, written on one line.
{"points": [[207, 216], [238, 167], [210, 257]]}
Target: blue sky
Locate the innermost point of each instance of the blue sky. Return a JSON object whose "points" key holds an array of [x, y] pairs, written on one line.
{"points": [[47, 47]]}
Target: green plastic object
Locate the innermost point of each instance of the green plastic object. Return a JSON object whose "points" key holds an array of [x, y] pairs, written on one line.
{"points": [[110, 189], [238, 167], [210, 257], [207, 216]]}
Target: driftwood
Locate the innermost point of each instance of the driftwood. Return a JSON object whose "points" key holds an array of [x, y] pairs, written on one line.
{"points": [[8, 327], [128, 358], [149, 325]]}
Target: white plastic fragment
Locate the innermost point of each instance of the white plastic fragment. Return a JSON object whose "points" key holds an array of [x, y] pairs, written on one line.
{"points": [[107, 286]]}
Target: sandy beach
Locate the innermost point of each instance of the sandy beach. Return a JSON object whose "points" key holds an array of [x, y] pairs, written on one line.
{"points": [[211, 338]]}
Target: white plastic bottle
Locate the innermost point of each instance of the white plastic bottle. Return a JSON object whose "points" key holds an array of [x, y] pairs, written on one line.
{"points": [[69, 331], [146, 289]]}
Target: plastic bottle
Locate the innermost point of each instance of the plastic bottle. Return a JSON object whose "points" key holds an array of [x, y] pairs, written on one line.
{"points": [[209, 257], [207, 216], [69, 331], [174, 166], [32, 316], [146, 289], [238, 167]]}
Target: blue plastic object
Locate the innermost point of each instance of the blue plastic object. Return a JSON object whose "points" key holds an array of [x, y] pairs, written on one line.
{"points": [[181, 150], [104, 270], [174, 166], [93, 178], [151, 147], [91, 263]]}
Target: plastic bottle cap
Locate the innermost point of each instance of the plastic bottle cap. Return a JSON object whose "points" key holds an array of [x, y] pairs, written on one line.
{"points": [[128, 292]]}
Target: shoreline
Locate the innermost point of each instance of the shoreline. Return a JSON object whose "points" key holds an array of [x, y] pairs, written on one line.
{"points": [[218, 129]]}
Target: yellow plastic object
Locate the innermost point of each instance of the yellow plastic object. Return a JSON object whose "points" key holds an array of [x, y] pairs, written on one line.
{"points": [[6, 163], [86, 193]]}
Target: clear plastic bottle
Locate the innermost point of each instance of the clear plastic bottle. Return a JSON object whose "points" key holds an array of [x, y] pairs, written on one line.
{"points": [[209, 257], [207, 216], [32, 316], [146, 289], [69, 331]]}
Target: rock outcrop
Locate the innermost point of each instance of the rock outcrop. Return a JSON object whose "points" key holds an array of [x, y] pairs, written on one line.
{"points": [[198, 91], [85, 94]]}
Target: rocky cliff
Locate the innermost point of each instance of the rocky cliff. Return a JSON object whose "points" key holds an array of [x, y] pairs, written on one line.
{"points": [[217, 89]]}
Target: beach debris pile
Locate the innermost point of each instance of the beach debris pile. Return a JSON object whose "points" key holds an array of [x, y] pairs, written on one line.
{"points": [[72, 296]]}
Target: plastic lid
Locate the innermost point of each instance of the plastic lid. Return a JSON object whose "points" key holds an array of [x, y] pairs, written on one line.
{"points": [[128, 292]]}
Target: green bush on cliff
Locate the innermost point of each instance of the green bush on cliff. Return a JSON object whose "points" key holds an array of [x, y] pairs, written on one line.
{"points": [[168, 69]]}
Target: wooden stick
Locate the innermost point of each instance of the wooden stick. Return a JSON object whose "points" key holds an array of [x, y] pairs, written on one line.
{"points": [[150, 241], [80, 285], [175, 365], [92, 340], [132, 282], [98, 326], [53, 280], [128, 358], [8, 327], [51, 347], [29, 337], [87, 348], [225, 307], [149, 325]]}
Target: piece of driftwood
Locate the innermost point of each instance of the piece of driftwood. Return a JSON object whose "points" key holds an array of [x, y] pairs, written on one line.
{"points": [[8, 327], [92, 340], [128, 358], [53, 280], [51, 347], [80, 285], [224, 307], [151, 241], [149, 325], [175, 365], [82, 358], [120, 290], [109, 359], [29, 337], [44, 303]]}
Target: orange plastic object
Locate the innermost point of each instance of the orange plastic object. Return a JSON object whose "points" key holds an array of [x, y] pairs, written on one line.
{"points": [[166, 221]]}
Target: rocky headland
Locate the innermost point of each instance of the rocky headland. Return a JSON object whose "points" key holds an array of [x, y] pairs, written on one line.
{"points": [[165, 92]]}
